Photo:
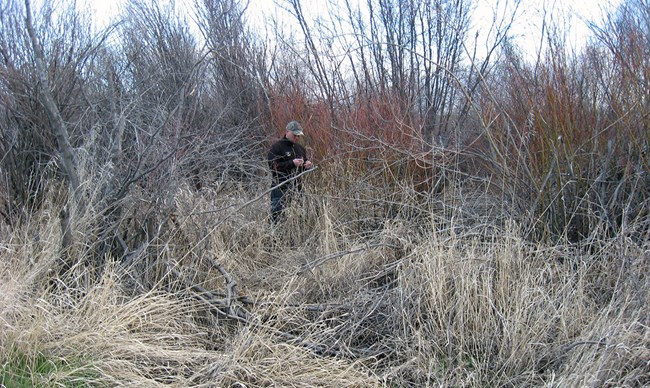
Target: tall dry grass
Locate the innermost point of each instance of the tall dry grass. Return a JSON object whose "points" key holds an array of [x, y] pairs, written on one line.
{"points": [[411, 301]]}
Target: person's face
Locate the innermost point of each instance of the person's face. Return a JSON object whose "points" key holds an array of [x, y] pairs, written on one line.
{"points": [[292, 137]]}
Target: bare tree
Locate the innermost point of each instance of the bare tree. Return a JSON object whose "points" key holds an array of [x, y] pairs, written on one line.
{"points": [[41, 76], [232, 89], [42, 64]]}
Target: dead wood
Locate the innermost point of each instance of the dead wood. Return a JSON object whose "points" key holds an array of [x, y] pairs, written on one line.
{"points": [[231, 307]]}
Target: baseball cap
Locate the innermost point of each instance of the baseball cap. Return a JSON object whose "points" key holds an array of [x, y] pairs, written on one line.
{"points": [[295, 127]]}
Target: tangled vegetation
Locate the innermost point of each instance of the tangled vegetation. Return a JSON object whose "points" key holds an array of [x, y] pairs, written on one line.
{"points": [[473, 220]]}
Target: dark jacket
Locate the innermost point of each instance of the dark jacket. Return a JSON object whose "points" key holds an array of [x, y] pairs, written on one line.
{"points": [[280, 159]]}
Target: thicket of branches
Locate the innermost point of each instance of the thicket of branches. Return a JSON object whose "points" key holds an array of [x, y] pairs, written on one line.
{"points": [[142, 107], [145, 141]]}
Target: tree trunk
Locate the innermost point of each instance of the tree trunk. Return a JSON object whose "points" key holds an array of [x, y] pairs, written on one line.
{"points": [[56, 121], [63, 143]]}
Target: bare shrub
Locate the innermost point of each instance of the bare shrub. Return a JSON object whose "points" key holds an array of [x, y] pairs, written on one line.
{"points": [[32, 138]]}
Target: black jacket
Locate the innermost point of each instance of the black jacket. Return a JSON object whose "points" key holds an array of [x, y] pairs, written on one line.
{"points": [[281, 157]]}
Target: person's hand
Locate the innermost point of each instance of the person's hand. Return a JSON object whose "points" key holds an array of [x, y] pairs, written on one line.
{"points": [[298, 162], [308, 164]]}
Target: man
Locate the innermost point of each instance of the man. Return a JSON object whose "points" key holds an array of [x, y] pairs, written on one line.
{"points": [[286, 159]]}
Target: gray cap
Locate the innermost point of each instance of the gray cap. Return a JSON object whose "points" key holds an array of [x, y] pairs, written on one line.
{"points": [[295, 127]]}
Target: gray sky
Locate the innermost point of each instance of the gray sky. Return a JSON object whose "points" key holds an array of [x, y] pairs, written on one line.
{"points": [[527, 26]]}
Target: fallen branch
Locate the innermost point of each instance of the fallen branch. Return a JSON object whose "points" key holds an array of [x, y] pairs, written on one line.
{"points": [[220, 308], [230, 309], [231, 285]]}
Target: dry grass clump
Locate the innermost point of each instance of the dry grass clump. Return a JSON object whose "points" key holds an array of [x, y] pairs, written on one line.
{"points": [[412, 304], [98, 336], [505, 312], [258, 360]]}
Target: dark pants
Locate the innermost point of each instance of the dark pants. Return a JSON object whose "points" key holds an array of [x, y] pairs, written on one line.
{"points": [[278, 203], [281, 197]]}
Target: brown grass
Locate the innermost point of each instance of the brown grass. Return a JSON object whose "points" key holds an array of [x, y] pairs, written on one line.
{"points": [[420, 304]]}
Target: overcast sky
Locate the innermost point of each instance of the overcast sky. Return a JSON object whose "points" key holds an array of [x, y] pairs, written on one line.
{"points": [[527, 26]]}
